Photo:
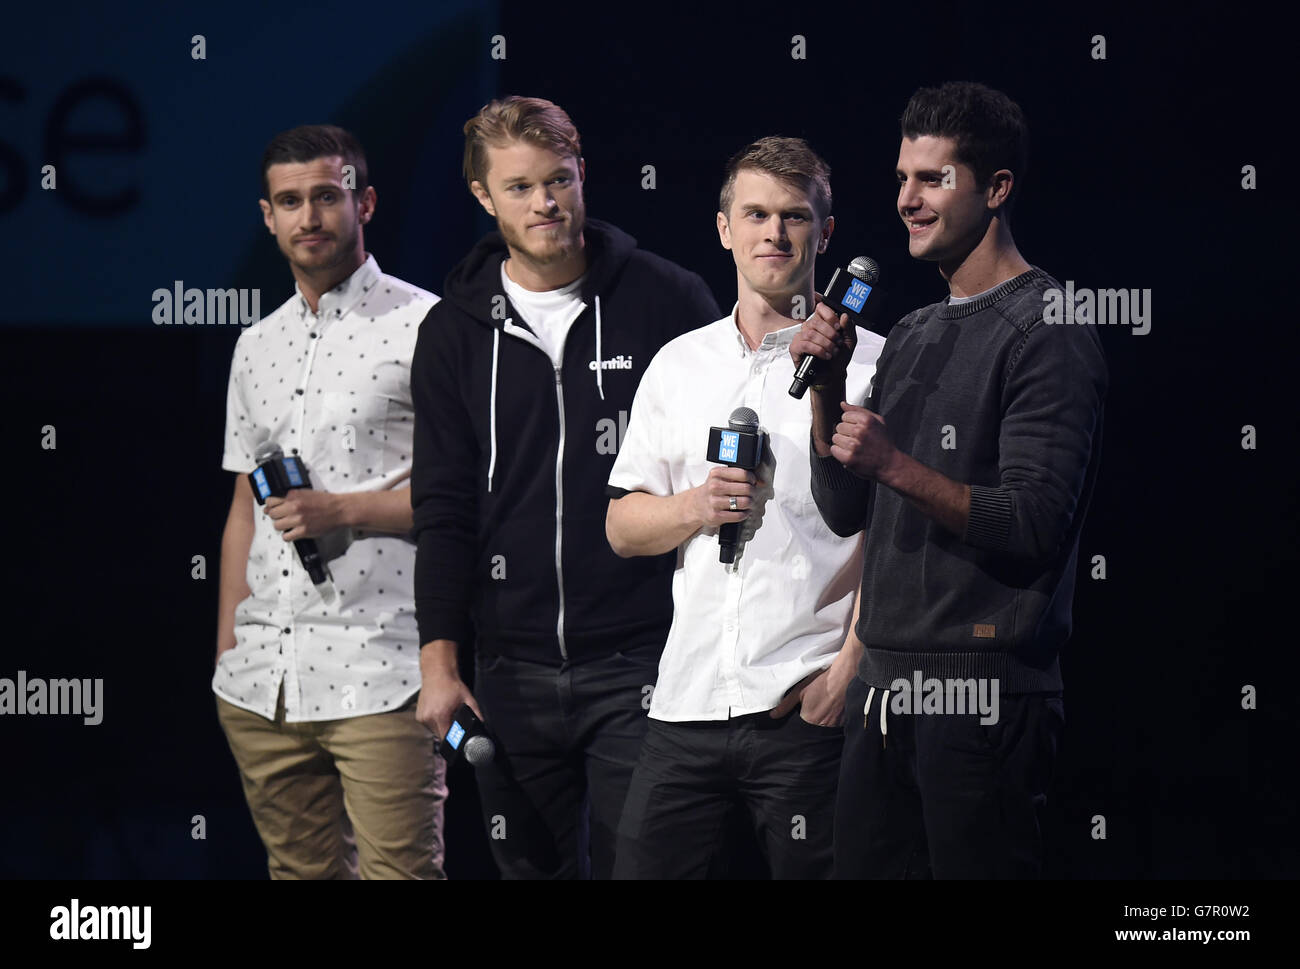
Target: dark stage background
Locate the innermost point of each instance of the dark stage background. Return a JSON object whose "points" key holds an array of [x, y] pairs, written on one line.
{"points": [[1135, 182]]}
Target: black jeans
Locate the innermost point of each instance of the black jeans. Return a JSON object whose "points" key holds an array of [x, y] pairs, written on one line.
{"points": [[690, 775], [942, 795], [567, 740]]}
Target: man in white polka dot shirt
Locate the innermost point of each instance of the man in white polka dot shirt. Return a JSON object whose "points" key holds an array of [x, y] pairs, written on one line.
{"points": [[316, 685]]}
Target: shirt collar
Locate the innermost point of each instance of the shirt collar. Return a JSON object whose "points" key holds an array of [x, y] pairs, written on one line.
{"points": [[338, 301], [771, 341]]}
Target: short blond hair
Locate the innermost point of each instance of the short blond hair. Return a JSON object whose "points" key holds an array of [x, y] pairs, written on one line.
{"points": [[791, 160], [534, 120]]}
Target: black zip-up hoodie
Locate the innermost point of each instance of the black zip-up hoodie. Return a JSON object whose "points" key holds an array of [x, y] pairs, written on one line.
{"points": [[510, 526]]}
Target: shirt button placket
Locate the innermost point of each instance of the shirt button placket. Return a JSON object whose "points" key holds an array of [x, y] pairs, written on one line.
{"points": [[308, 359], [752, 398], [289, 659], [283, 664], [731, 630]]}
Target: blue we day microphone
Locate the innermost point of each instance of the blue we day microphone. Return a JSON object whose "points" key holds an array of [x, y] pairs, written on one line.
{"points": [[468, 735], [855, 291], [738, 445], [274, 477]]}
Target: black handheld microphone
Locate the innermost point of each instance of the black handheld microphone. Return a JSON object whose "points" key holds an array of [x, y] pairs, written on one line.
{"points": [[739, 445], [853, 291], [274, 477], [467, 734]]}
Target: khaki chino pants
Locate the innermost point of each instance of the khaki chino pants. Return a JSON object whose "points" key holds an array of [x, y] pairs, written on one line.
{"points": [[341, 798]]}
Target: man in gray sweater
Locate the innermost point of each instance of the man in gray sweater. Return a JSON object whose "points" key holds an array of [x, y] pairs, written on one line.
{"points": [[970, 469]]}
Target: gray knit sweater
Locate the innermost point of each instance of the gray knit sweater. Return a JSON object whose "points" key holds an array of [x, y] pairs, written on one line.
{"points": [[989, 395]]}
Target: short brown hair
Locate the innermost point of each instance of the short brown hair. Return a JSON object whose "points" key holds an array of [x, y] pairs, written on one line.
{"points": [[534, 120], [789, 159], [311, 141], [988, 128]]}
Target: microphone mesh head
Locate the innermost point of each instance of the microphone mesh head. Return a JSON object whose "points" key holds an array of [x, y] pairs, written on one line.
{"points": [[743, 416], [480, 749], [268, 450], [865, 269]]}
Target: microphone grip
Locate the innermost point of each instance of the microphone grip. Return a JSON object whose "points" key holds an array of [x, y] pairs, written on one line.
{"points": [[728, 536], [803, 375], [309, 555]]}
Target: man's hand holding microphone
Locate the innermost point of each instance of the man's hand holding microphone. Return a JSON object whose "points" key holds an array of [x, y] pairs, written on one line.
{"points": [[854, 436], [447, 707], [726, 497], [442, 691]]}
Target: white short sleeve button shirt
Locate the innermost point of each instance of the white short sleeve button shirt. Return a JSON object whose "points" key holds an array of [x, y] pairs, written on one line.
{"points": [[743, 635], [334, 388]]}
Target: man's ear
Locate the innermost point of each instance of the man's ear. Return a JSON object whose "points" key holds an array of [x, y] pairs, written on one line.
{"points": [[268, 216], [366, 205], [484, 199], [724, 231], [999, 188], [827, 228], [582, 169]]}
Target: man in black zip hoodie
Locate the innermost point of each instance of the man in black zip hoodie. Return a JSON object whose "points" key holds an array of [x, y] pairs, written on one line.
{"points": [[522, 380], [970, 470]]}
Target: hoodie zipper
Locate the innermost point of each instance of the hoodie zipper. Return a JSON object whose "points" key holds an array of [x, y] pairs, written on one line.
{"points": [[559, 514], [528, 337]]}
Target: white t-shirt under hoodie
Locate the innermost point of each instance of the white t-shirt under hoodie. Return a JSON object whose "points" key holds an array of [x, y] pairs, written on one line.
{"points": [[550, 314]]}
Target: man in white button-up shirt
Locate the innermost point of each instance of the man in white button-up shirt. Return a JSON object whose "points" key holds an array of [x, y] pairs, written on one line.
{"points": [[316, 685], [751, 684]]}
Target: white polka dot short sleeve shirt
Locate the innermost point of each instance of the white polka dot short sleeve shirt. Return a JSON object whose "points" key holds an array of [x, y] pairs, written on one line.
{"points": [[334, 388]]}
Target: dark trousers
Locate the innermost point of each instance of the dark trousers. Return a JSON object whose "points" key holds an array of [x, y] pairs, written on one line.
{"points": [[690, 776], [567, 740], [942, 795]]}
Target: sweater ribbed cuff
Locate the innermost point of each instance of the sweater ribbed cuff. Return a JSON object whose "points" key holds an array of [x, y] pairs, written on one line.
{"points": [[832, 475], [989, 524]]}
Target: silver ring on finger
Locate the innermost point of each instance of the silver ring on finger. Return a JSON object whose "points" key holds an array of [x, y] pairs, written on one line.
{"points": [[731, 500]]}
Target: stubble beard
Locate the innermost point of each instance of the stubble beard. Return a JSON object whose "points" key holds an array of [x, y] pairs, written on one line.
{"points": [[560, 251], [342, 253]]}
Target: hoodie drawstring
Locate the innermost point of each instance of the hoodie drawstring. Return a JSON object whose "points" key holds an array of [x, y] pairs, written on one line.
{"points": [[884, 709], [496, 353], [600, 370], [492, 407]]}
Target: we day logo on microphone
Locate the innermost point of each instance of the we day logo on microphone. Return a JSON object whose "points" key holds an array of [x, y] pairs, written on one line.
{"points": [[455, 735], [855, 297]]}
